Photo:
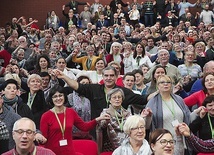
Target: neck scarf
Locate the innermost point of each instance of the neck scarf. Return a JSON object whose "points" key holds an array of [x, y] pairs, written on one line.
{"points": [[10, 102]]}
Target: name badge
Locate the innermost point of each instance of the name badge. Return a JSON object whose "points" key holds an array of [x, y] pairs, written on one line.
{"points": [[63, 142], [175, 123], [121, 135]]}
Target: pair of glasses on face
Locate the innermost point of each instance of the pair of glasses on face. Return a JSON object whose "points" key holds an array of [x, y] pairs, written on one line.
{"points": [[138, 128], [28, 132], [116, 97], [57, 96], [164, 82], [165, 142]]}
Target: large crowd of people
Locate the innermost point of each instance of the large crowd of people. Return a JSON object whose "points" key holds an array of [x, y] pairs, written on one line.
{"points": [[131, 76]]}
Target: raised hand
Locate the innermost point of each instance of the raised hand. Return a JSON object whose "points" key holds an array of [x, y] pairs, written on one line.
{"points": [[147, 112]]}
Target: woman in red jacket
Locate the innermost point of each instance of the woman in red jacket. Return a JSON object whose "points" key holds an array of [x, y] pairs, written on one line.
{"points": [[57, 123], [199, 96]]}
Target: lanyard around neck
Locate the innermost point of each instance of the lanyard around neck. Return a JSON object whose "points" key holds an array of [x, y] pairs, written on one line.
{"points": [[172, 110], [60, 125], [30, 99], [106, 97], [211, 126], [118, 121]]}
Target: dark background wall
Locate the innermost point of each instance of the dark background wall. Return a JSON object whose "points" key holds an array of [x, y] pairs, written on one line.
{"points": [[37, 9]]}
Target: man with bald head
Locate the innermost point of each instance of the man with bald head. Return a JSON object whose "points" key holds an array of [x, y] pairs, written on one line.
{"points": [[24, 131]]}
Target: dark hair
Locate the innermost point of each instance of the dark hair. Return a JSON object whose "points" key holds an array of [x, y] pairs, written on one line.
{"points": [[98, 59], [94, 30], [151, 37], [153, 72], [46, 58], [10, 81], [83, 77], [208, 99], [203, 81], [110, 36], [129, 74], [54, 90], [43, 74], [157, 134], [59, 59], [16, 65], [143, 48], [143, 65], [135, 71]]}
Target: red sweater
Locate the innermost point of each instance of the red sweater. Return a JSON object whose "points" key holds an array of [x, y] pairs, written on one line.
{"points": [[51, 130], [196, 98]]}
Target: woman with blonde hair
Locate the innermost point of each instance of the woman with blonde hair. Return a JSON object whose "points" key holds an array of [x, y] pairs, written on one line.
{"points": [[168, 109], [200, 52]]}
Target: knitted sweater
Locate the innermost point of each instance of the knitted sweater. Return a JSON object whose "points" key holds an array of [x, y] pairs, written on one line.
{"points": [[9, 117]]}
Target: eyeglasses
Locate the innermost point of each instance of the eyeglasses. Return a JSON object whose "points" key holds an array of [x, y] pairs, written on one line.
{"points": [[164, 82], [138, 128], [164, 142], [165, 54], [56, 96], [28, 132], [116, 97], [109, 75]]}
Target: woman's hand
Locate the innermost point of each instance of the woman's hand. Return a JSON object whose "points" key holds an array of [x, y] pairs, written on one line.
{"points": [[57, 73], [201, 111], [183, 129], [147, 112], [103, 116], [74, 53], [177, 87], [40, 138]]}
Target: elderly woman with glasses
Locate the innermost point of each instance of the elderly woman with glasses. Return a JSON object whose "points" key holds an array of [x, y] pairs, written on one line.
{"points": [[136, 143], [110, 133], [168, 109]]}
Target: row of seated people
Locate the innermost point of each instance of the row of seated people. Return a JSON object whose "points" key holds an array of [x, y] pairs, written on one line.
{"points": [[161, 141], [173, 104], [39, 99]]}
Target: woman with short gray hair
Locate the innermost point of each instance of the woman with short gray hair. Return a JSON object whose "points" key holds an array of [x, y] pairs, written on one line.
{"points": [[136, 143], [110, 133]]}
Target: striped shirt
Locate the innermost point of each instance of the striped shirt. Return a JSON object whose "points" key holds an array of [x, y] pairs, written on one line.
{"points": [[199, 145]]}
